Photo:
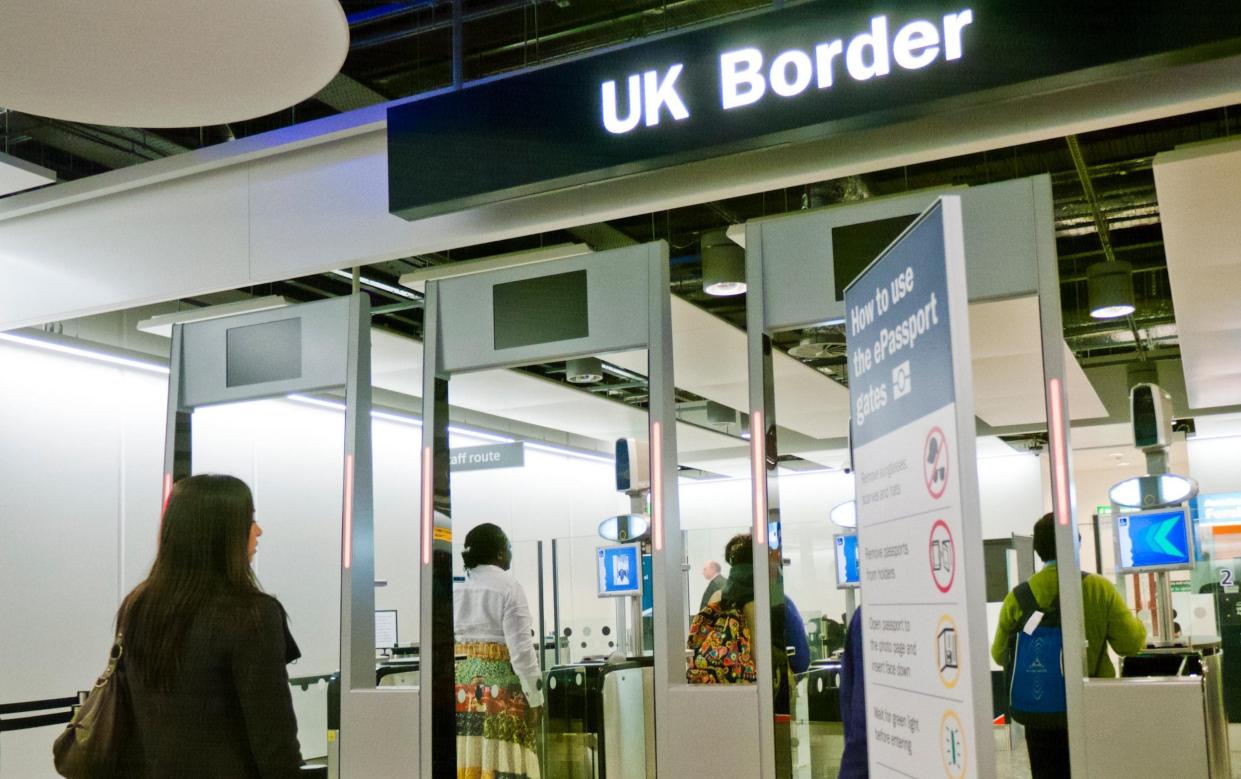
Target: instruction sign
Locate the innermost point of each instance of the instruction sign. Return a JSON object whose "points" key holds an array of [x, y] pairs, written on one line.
{"points": [[920, 544]]}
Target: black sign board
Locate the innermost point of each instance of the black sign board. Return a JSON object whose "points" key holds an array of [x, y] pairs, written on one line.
{"points": [[770, 78]]}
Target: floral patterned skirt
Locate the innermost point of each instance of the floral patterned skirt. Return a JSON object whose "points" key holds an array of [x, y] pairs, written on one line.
{"points": [[494, 739]]}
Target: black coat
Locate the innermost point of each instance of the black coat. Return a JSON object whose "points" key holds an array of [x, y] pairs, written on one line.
{"points": [[229, 712]]}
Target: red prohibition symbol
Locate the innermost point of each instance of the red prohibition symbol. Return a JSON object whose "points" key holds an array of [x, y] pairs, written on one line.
{"points": [[943, 556], [935, 463]]}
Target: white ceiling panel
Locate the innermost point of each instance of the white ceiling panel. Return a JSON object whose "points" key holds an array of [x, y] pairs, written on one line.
{"points": [[1008, 370], [709, 359], [397, 366], [1008, 385], [17, 175], [1005, 338], [1199, 202]]}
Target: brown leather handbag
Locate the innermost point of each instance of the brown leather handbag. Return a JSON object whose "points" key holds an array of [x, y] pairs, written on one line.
{"points": [[92, 744]]}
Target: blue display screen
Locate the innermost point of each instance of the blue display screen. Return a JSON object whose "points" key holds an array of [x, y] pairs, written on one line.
{"points": [[1153, 540], [847, 573], [619, 570]]}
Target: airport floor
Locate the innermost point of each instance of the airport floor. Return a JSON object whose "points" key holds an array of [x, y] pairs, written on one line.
{"points": [[827, 744], [1015, 765]]}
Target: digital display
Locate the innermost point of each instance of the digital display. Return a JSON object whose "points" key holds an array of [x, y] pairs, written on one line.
{"points": [[847, 572], [854, 247], [1153, 541], [619, 570], [257, 354], [541, 310]]}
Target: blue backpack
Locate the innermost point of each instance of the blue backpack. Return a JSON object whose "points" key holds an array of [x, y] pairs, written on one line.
{"points": [[1036, 665]]}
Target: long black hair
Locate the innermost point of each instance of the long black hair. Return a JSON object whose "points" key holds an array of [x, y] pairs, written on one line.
{"points": [[484, 545], [203, 557]]}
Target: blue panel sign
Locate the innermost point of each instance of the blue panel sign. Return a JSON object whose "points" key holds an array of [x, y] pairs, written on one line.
{"points": [[1153, 541], [900, 354], [847, 574], [919, 540], [619, 571]]}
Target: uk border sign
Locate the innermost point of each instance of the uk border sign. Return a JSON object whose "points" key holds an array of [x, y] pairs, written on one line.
{"points": [[928, 687]]}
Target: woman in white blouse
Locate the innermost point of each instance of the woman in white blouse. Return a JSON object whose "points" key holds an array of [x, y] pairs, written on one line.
{"points": [[498, 688]]}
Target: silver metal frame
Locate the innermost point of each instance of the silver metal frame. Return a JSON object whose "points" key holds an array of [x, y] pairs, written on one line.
{"points": [[1014, 271], [618, 269], [197, 361]]}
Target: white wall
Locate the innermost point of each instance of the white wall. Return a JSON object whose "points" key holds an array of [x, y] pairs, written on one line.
{"points": [[80, 464], [1216, 463], [80, 446]]}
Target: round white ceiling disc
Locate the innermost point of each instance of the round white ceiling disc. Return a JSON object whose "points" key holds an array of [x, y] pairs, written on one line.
{"points": [[167, 63]]}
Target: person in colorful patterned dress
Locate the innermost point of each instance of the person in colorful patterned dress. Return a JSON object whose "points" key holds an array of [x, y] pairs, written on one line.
{"points": [[499, 696]]}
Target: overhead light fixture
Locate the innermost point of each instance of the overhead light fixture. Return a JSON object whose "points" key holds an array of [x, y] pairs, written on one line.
{"points": [[1109, 287], [1149, 492], [417, 280], [584, 370], [366, 281], [723, 265], [162, 324], [844, 514], [66, 345]]}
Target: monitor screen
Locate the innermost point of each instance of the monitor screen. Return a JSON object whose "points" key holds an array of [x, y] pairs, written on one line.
{"points": [[385, 628], [1153, 541], [540, 310], [256, 354], [619, 570], [855, 247], [847, 573]]}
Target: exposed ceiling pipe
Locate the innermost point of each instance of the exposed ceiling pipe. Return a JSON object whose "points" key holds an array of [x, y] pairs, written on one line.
{"points": [[1105, 235]]}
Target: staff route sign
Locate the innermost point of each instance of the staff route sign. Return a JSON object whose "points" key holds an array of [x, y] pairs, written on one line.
{"points": [[928, 687]]}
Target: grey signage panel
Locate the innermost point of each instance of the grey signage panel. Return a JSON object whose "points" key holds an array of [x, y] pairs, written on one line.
{"points": [[485, 458], [584, 305], [300, 348], [804, 276]]}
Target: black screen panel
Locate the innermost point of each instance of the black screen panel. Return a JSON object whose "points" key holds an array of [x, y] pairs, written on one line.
{"points": [[854, 247], [538, 311], [257, 354]]}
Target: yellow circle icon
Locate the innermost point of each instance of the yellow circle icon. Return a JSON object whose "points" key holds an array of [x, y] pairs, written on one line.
{"points": [[952, 746]]}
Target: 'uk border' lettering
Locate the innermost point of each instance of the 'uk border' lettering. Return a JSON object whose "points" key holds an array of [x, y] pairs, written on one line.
{"points": [[744, 81]]}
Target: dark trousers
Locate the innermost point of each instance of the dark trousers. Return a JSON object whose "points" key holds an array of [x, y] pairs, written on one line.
{"points": [[1049, 753]]}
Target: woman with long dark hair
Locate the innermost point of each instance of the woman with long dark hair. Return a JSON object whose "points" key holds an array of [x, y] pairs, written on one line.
{"points": [[498, 693], [205, 648]]}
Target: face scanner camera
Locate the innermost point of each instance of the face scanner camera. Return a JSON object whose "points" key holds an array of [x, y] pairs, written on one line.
{"points": [[1150, 411]]}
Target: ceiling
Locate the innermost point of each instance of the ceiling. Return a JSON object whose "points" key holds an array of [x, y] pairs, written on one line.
{"points": [[1105, 199]]}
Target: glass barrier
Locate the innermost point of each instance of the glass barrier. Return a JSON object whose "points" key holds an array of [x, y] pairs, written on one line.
{"points": [[398, 582], [588, 624]]}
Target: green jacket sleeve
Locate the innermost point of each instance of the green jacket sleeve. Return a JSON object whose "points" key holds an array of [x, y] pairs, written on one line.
{"points": [[1010, 612], [1125, 632]]}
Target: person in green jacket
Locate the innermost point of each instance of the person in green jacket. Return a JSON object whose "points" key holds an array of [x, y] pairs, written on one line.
{"points": [[1108, 620]]}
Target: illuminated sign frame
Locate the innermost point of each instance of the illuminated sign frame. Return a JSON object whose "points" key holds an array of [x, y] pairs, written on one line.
{"points": [[768, 78]]}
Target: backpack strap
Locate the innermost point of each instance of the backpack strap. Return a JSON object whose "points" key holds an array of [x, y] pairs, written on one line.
{"points": [[1029, 604], [1025, 601]]}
